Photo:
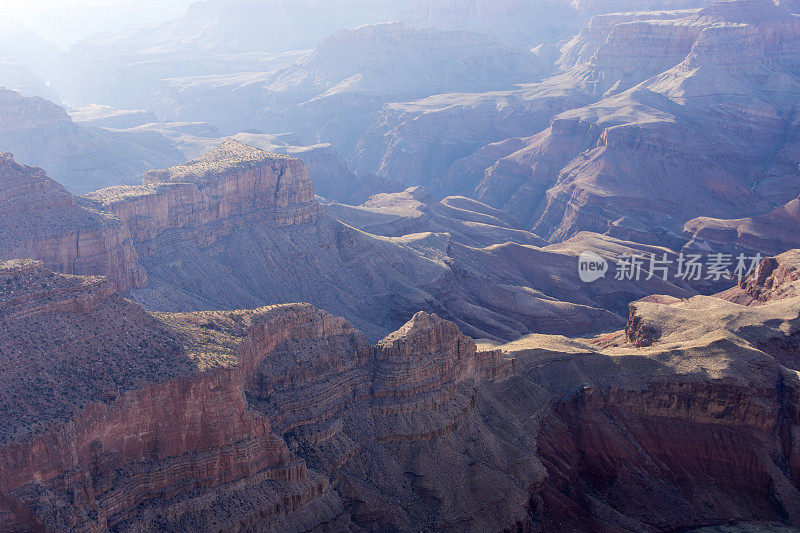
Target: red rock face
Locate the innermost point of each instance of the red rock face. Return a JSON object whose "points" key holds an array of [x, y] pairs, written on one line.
{"points": [[286, 418], [668, 456], [160, 435], [39, 219], [153, 451], [776, 278]]}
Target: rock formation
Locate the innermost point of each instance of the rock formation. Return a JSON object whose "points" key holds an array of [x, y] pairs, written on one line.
{"points": [[238, 252], [620, 141], [217, 37], [231, 181], [775, 279], [39, 219], [415, 211], [41, 133], [240, 228], [770, 233], [207, 392], [330, 94], [286, 418]]}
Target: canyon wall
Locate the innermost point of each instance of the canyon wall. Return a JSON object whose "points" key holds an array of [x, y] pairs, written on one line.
{"points": [[286, 418], [39, 219], [184, 443], [232, 180]]}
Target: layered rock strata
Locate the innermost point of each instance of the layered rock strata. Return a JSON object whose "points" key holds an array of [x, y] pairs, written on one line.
{"points": [[286, 419], [770, 233], [240, 228], [39, 219], [188, 424], [776, 278], [231, 181]]}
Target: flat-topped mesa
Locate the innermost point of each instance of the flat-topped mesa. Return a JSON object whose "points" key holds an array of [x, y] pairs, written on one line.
{"points": [[39, 219], [233, 180]]}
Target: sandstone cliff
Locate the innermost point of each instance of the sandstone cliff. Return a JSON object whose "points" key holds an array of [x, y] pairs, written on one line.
{"points": [[240, 228], [615, 178], [232, 180], [286, 419], [39, 219]]}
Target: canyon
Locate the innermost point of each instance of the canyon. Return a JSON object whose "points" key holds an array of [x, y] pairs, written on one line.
{"points": [[241, 228], [285, 417], [302, 265], [598, 145]]}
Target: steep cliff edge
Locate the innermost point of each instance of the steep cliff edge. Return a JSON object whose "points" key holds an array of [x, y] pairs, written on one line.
{"points": [[646, 158], [232, 180], [120, 420], [187, 425], [240, 228], [694, 419], [39, 219], [775, 279], [285, 418]]}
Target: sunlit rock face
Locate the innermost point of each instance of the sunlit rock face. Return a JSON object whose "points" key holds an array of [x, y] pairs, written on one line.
{"points": [[710, 150], [776, 278], [232, 180], [240, 228]]}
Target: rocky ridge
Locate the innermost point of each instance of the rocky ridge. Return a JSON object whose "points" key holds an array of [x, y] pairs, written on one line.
{"points": [[40, 219], [770, 233], [219, 395], [330, 94], [611, 141], [775, 279], [600, 144], [415, 211], [239, 228], [292, 420]]}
